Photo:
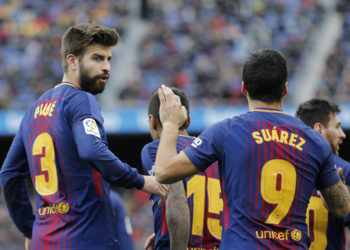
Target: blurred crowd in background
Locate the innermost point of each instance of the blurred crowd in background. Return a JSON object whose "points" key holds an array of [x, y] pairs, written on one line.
{"points": [[196, 45], [335, 83], [200, 46], [30, 41]]}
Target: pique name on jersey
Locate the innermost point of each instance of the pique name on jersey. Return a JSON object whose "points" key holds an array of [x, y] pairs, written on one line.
{"points": [[45, 109], [266, 135]]}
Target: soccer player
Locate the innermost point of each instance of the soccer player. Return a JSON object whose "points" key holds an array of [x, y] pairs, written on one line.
{"points": [[269, 162], [122, 222], [62, 144], [325, 230], [203, 192]]}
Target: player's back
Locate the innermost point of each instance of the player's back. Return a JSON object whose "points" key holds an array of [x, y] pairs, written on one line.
{"points": [[73, 205], [325, 230], [269, 163], [203, 193]]}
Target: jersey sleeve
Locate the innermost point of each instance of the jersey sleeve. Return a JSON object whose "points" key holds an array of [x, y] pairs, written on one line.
{"points": [[206, 148], [87, 129], [345, 165], [13, 181], [328, 174], [148, 156]]}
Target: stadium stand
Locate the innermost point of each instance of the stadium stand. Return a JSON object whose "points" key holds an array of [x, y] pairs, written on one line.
{"points": [[196, 45]]}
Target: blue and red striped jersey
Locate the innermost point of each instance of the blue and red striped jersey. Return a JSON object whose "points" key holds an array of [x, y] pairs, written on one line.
{"points": [[270, 163], [325, 230], [61, 142], [204, 199], [121, 222]]}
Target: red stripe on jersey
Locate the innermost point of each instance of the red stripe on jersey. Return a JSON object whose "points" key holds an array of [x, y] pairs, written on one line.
{"points": [[268, 155], [59, 236], [164, 225], [97, 182], [63, 234], [226, 209], [311, 224], [287, 158], [257, 192], [266, 206], [278, 182], [251, 171], [297, 193]]}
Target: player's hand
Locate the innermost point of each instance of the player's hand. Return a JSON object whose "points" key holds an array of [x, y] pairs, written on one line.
{"points": [[341, 175], [171, 111], [27, 243], [149, 244], [154, 187]]}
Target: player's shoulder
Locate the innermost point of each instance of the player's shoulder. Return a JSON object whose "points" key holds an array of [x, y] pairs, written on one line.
{"points": [[83, 97], [150, 147], [148, 156], [341, 163], [345, 165]]}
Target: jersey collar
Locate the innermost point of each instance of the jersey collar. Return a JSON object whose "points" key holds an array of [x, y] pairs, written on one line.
{"points": [[268, 110], [66, 83]]}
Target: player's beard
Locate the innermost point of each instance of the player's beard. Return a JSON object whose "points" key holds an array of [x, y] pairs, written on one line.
{"points": [[91, 84]]}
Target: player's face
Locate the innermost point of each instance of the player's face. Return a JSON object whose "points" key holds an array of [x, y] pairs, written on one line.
{"points": [[95, 68], [333, 133]]}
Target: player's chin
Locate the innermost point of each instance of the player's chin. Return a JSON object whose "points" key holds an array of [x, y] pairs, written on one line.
{"points": [[100, 86]]}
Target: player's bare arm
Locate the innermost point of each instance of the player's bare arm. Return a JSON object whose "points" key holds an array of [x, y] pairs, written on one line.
{"points": [[169, 165], [337, 198], [178, 216]]}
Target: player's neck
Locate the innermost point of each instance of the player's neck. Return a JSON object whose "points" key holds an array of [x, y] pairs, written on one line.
{"points": [[183, 132], [253, 104], [71, 80]]}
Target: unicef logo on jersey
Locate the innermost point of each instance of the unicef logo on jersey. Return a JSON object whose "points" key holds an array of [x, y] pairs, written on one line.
{"points": [[196, 142]]}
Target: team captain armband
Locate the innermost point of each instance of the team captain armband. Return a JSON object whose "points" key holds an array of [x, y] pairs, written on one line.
{"points": [[91, 128]]}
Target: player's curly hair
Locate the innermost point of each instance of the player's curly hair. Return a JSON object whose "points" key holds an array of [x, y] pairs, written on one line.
{"points": [[316, 110], [154, 103], [78, 37]]}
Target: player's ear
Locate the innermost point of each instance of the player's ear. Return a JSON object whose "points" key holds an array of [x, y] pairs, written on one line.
{"points": [[243, 89], [318, 127], [152, 121], [72, 61], [285, 89], [188, 121]]}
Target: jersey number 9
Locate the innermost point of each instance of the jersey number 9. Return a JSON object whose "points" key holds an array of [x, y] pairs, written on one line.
{"points": [[278, 183]]}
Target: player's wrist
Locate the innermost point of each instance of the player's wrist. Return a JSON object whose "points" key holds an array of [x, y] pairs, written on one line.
{"points": [[171, 126]]}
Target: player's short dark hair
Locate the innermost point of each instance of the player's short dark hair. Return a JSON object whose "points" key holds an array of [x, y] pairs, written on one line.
{"points": [[316, 110], [264, 75], [154, 103], [78, 37]]}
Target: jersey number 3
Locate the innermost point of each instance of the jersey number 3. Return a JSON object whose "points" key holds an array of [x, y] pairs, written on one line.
{"points": [[43, 146]]}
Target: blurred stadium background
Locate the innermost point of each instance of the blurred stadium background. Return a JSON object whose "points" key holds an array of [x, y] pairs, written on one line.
{"points": [[196, 45]]}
